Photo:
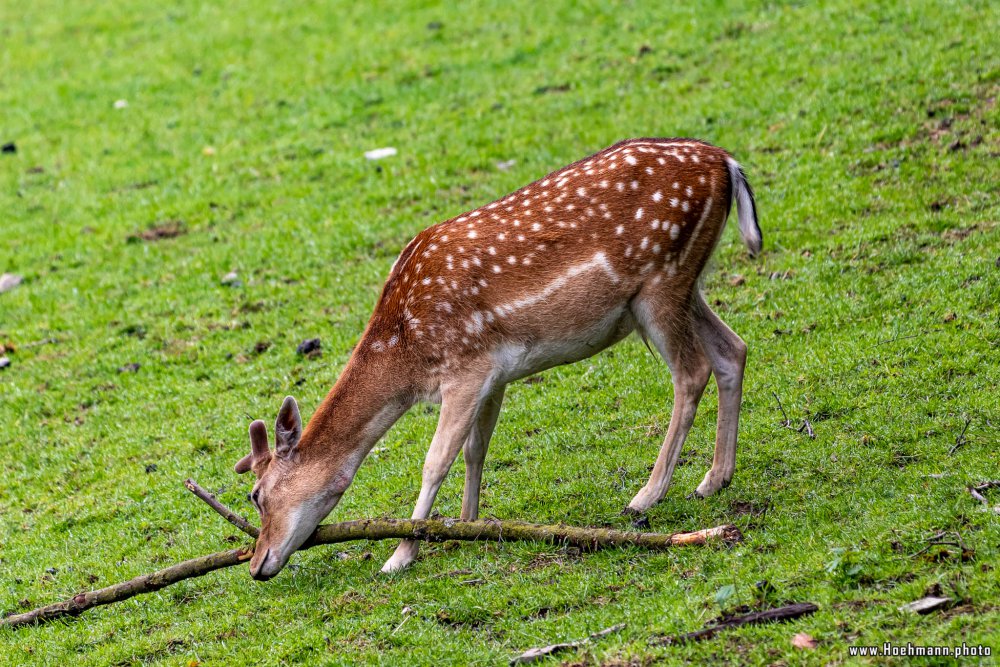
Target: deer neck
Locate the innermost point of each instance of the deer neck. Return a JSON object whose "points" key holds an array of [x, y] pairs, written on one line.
{"points": [[362, 406]]}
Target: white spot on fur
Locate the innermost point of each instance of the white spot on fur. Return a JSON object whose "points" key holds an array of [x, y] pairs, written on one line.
{"points": [[657, 196], [630, 159], [638, 213], [619, 229]]}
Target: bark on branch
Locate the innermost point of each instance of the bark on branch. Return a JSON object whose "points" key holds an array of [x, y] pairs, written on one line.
{"points": [[429, 530]]}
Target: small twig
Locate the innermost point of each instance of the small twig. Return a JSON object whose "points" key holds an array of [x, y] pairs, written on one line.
{"points": [[940, 541], [44, 341], [787, 423], [780, 614], [898, 337], [806, 427], [974, 492], [226, 513], [960, 440], [535, 654]]}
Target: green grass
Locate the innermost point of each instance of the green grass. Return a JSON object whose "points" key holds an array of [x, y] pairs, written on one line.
{"points": [[870, 132]]}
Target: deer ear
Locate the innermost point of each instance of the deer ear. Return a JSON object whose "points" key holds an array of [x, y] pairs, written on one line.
{"points": [[259, 450], [288, 427]]}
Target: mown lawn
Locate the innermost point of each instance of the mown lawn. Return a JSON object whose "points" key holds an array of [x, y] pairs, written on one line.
{"points": [[870, 131]]}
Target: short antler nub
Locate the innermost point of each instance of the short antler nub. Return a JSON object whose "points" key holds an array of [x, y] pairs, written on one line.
{"points": [[258, 441], [259, 450]]}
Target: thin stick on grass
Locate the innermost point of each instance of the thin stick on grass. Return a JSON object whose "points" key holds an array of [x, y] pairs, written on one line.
{"points": [[788, 613], [428, 530]]}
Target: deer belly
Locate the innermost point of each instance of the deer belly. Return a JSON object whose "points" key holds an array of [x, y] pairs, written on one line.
{"points": [[559, 344]]}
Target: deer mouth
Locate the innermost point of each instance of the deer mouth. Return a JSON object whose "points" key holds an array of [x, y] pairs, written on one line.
{"points": [[263, 571]]}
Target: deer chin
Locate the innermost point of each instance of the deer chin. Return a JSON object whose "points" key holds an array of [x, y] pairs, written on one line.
{"points": [[302, 521]]}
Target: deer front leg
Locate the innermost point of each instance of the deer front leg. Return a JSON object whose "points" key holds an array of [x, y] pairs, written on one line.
{"points": [[460, 407], [475, 453]]}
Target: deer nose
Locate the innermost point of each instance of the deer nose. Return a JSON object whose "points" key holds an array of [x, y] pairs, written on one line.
{"points": [[258, 574]]}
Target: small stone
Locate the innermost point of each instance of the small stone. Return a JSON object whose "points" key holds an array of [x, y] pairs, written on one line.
{"points": [[51, 570], [232, 279], [9, 147], [505, 165], [379, 153], [208, 150], [150, 468], [804, 641], [9, 281], [4, 362], [121, 104]]}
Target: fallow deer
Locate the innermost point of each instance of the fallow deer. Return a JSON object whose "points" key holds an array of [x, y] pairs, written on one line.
{"points": [[550, 274]]}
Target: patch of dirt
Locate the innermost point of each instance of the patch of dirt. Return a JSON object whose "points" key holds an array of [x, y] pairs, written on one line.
{"points": [[745, 507], [166, 229]]}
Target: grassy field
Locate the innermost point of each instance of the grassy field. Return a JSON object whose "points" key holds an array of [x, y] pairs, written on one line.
{"points": [[870, 131]]}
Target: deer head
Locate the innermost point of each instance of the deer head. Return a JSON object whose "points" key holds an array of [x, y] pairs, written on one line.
{"points": [[293, 493]]}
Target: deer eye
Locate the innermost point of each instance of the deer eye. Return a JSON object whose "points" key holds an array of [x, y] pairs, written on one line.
{"points": [[255, 498]]}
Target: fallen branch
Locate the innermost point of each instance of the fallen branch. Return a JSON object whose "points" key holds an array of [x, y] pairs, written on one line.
{"points": [[770, 616], [429, 530], [146, 583]]}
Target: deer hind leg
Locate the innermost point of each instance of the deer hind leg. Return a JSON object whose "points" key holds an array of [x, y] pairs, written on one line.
{"points": [[670, 328], [461, 406], [475, 452], [728, 355]]}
